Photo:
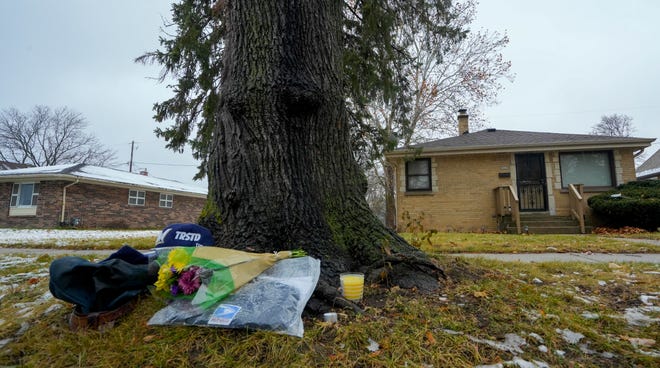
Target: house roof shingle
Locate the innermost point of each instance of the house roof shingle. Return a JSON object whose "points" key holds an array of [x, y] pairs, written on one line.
{"points": [[650, 167], [492, 139], [100, 175], [7, 165]]}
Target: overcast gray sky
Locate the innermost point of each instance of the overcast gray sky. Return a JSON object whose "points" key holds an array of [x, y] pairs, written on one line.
{"points": [[79, 54], [574, 62]]}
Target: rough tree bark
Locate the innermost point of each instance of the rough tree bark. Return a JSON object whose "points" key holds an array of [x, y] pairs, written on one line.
{"points": [[390, 207], [281, 172]]}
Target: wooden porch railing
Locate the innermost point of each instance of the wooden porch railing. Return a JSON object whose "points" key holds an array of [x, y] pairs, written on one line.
{"points": [[576, 203], [507, 203]]}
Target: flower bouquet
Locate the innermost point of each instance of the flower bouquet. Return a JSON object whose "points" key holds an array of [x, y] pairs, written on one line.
{"points": [[209, 274]]}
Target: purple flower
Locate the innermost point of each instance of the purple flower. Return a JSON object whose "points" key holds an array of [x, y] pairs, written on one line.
{"points": [[174, 289], [190, 281]]}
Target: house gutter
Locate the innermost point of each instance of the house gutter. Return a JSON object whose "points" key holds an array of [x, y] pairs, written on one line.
{"points": [[116, 184], [64, 198], [470, 150]]}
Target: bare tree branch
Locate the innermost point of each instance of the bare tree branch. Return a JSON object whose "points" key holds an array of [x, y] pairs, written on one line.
{"points": [[45, 137], [615, 125], [459, 73]]}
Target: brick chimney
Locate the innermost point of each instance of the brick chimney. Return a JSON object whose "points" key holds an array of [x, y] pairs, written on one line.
{"points": [[144, 172], [463, 127]]}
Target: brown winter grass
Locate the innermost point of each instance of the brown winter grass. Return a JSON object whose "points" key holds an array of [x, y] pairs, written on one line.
{"points": [[481, 299], [535, 243], [439, 243], [142, 243]]}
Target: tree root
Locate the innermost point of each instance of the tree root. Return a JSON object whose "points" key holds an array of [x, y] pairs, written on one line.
{"points": [[421, 264], [332, 297], [404, 270]]}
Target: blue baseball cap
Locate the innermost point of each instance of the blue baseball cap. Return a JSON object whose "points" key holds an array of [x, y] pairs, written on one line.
{"points": [[184, 235]]}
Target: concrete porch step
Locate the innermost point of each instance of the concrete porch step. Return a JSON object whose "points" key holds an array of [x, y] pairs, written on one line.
{"points": [[546, 224], [555, 229], [550, 229], [542, 216]]}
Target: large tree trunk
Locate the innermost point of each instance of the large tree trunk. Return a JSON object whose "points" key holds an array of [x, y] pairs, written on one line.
{"points": [[281, 172], [390, 206]]}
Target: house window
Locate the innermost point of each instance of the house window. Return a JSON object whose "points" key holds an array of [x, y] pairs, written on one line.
{"points": [[136, 197], [23, 200], [24, 194], [166, 200], [593, 169], [418, 174]]}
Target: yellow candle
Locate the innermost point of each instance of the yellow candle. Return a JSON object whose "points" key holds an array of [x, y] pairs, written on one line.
{"points": [[352, 285]]}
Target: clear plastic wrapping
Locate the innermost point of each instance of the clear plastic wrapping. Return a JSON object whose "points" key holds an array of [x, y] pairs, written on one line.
{"points": [[272, 301]]}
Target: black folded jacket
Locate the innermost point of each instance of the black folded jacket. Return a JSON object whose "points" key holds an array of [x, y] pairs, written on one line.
{"points": [[97, 287]]}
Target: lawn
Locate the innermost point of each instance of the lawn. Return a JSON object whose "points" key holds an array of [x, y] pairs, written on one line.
{"points": [[440, 243], [443, 243], [76, 239], [486, 312]]}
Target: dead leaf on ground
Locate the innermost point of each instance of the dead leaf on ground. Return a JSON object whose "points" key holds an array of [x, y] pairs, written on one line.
{"points": [[375, 353], [335, 357], [430, 338], [480, 294], [149, 338]]}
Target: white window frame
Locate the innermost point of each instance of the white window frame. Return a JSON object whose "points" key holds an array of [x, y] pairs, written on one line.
{"points": [[15, 206], [136, 197], [166, 200]]}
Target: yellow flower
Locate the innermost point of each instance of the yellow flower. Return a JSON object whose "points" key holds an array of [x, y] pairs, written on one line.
{"points": [[164, 275], [178, 258]]}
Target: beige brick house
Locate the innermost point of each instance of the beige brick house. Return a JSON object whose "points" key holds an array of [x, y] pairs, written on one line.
{"points": [[94, 197], [491, 179]]}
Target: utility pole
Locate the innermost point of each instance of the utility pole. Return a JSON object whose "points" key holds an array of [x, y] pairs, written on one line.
{"points": [[130, 163]]}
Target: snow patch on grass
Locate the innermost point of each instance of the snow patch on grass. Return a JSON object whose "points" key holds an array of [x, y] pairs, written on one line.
{"points": [[65, 237], [512, 343], [14, 280], [517, 362], [638, 316], [9, 261], [570, 336]]}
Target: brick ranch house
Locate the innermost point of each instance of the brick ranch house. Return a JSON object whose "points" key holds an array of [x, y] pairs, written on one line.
{"points": [[513, 181], [94, 197]]}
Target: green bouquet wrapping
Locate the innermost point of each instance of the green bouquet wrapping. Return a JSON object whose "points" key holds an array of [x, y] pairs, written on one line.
{"points": [[209, 274]]}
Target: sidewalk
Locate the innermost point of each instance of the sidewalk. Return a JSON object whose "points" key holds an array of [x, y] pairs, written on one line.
{"points": [[635, 240], [566, 257]]}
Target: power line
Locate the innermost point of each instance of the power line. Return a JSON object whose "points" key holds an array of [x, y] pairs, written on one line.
{"points": [[163, 164]]}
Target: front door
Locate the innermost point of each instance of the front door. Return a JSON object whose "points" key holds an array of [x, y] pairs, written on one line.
{"points": [[530, 176]]}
